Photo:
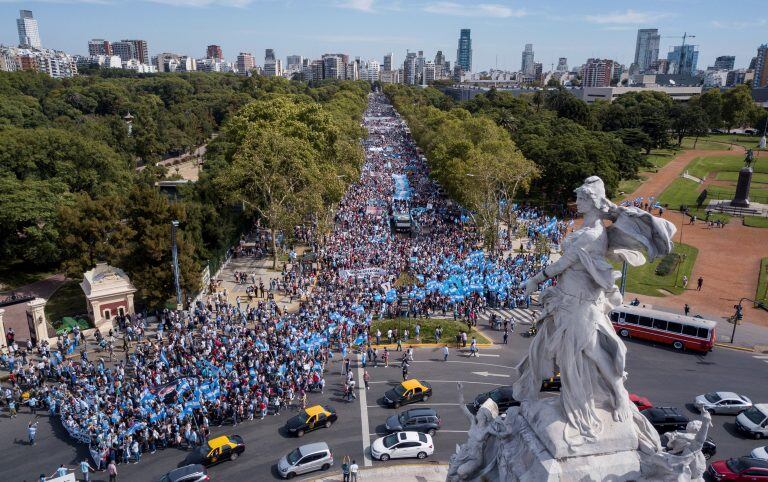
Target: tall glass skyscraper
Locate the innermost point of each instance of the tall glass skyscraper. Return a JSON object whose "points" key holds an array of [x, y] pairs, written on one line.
{"points": [[28, 33], [646, 48], [464, 52], [683, 59], [528, 64]]}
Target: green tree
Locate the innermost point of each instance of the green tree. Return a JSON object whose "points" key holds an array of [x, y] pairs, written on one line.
{"points": [[738, 106], [688, 120]]}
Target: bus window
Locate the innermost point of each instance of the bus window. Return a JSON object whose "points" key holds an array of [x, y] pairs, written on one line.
{"points": [[646, 321], [630, 318], [614, 317], [689, 330], [703, 333], [674, 327], [659, 324]]}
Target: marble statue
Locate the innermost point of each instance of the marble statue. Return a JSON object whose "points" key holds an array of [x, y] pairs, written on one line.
{"points": [[682, 461], [591, 431], [469, 458]]}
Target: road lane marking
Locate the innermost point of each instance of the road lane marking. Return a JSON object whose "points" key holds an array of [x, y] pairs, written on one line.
{"points": [[460, 361], [397, 382], [487, 374], [379, 434], [469, 354], [367, 462], [427, 402], [761, 357]]}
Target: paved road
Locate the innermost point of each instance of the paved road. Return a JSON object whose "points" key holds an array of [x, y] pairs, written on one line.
{"points": [[666, 377]]}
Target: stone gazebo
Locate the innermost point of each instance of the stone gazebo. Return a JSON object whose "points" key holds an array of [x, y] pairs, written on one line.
{"points": [[109, 293]]}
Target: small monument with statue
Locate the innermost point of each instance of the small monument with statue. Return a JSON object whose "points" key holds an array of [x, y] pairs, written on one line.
{"points": [[591, 431], [109, 293]]}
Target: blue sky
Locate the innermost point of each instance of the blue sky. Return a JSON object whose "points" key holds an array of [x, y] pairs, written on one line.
{"points": [[370, 28]]}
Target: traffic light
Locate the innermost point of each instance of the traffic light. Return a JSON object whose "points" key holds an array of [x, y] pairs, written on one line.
{"points": [[739, 314]]}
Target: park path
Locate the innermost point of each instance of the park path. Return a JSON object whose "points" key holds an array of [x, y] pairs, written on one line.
{"points": [[728, 260]]}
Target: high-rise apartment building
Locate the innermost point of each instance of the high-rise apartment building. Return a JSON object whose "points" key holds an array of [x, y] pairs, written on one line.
{"points": [[562, 65], [597, 73], [99, 46], [214, 52], [125, 50], [29, 36], [141, 50], [683, 60], [646, 48], [334, 66], [527, 66], [439, 64], [538, 71], [464, 51], [761, 67], [409, 68], [388, 61], [245, 63], [725, 62], [428, 73], [294, 62]]}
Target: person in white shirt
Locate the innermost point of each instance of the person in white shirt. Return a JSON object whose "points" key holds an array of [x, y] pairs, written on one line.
{"points": [[353, 471]]}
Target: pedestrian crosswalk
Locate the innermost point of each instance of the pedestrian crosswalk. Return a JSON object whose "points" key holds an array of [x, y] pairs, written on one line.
{"points": [[518, 315], [761, 357]]}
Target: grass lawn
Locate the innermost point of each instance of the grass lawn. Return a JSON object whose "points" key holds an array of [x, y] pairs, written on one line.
{"points": [[762, 282], [703, 143], [756, 221], [660, 157], [750, 142], [684, 191], [757, 177], [68, 300], [627, 186], [450, 329], [16, 275], [643, 279], [703, 166]]}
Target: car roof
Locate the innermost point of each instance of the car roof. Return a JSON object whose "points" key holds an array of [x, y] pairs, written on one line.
{"points": [[665, 412], [664, 315], [315, 409], [753, 462], [411, 384], [408, 436], [729, 395], [186, 470], [763, 407], [313, 448], [217, 442], [421, 412]]}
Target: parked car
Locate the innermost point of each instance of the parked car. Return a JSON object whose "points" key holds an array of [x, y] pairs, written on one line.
{"points": [[408, 391], [305, 459], [754, 420], [402, 445], [219, 449], [503, 397], [311, 418], [423, 420], [188, 473], [722, 402], [641, 403], [760, 453], [551, 384], [741, 470]]}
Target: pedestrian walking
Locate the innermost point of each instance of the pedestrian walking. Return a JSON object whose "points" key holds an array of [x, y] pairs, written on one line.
{"points": [[685, 281], [353, 471], [345, 469], [699, 283], [32, 432], [687, 309], [385, 357], [86, 469], [445, 352], [405, 371], [112, 471], [473, 348], [506, 336], [366, 379]]}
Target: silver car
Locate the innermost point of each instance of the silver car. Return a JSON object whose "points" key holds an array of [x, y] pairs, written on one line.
{"points": [[722, 402], [307, 458]]}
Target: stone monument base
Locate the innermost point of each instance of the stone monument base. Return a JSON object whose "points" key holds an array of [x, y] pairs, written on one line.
{"points": [[524, 458]]}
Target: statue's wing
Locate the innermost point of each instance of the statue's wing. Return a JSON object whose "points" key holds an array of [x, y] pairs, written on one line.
{"points": [[635, 229]]}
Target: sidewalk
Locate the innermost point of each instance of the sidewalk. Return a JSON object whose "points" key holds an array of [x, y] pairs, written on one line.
{"points": [[401, 473]]}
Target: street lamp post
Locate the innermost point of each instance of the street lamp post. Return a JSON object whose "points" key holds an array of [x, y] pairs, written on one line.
{"points": [[175, 253]]}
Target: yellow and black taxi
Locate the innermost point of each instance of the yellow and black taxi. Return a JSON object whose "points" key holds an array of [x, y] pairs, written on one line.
{"points": [[408, 391], [219, 449], [311, 418], [551, 384]]}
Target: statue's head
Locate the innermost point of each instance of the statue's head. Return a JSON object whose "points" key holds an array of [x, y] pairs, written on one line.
{"points": [[693, 426], [591, 196]]}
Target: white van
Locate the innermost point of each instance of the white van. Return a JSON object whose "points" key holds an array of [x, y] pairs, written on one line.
{"points": [[754, 420]]}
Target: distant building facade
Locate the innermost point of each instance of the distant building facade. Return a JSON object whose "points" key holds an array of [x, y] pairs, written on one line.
{"points": [[29, 35], [464, 50], [646, 48]]}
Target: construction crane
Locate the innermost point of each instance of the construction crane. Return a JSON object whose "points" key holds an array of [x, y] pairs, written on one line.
{"points": [[682, 47]]}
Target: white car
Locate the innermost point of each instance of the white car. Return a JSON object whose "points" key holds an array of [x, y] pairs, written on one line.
{"points": [[722, 402], [760, 453], [401, 445]]}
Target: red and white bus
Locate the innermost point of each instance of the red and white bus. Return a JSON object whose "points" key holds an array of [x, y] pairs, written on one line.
{"points": [[680, 331]]}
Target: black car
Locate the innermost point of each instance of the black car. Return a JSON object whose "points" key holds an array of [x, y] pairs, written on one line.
{"points": [[423, 420], [503, 397], [666, 419], [188, 473], [311, 418]]}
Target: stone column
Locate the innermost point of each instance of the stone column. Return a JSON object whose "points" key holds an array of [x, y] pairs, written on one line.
{"points": [[36, 309], [3, 341]]}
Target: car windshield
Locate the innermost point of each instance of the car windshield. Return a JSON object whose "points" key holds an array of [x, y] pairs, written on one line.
{"points": [[402, 418], [293, 457], [712, 397], [400, 390], [754, 415], [735, 465], [390, 440]]}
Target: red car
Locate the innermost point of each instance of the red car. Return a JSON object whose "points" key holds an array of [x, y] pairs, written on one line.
{"points": [[640, 402], [741, 470]]}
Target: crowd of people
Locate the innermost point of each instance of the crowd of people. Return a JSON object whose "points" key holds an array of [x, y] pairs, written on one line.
{"points": [[229, 361]]}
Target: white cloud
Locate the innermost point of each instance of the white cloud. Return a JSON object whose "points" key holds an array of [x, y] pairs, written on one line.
{"points": [[629, 17], [473, 10], [359, 5], [205, 3], [736, 24]]}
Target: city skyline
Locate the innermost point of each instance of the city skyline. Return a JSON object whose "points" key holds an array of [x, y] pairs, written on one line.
{"points": [[499, 30]]}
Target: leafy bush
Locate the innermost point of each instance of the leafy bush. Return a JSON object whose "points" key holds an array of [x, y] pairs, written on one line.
{"points": [[668, 264]]}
